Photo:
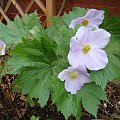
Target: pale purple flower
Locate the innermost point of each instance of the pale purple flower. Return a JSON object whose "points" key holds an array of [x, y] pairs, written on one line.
{"points": [[86, 48], [2, 48], [74, 78], [92, 19]]}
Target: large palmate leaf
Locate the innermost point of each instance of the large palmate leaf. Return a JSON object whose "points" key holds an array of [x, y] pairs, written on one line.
{"points": [[68, 104], [89, 96], [32, 60], [14, 31], [36, 83]]}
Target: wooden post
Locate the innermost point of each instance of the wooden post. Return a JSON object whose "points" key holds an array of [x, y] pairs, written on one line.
{"points": [[50, 7]]}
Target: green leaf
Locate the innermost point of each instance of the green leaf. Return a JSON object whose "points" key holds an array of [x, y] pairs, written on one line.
{"points": [[36, 83], [91, 96], [76, 12], [110, 72], [33, 61], [30, 20], [112, 25], [66, 103], [114, 46], [34, 118], [63, 40], [31, 53], [56, 20], [13, 32]]}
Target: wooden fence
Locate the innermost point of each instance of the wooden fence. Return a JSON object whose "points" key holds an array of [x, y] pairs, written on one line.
{"points": [[48, 9]]}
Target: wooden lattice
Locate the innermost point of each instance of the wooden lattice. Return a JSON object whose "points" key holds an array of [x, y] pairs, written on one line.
{"points": [[48, 10]]}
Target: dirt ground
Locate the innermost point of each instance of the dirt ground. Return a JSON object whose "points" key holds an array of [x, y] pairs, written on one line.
{"points": [[13, 107]]}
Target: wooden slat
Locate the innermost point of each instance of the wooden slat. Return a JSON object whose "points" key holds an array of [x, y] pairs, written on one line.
{"points": [[17, 7], [50, 7], [6, 8], [4, 15], [48, 10], [29, 6], [44, 24], [41, 5]]}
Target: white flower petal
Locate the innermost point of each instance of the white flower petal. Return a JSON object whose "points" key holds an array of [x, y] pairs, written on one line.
{"points": [[2, 46], [76, 58], [96, 59], [84, 77], [63, 75], [72, 85], [94, 16], [99, 38], [76, 21], [74, 44], [82, 33], [82, 69], [92, 26]]}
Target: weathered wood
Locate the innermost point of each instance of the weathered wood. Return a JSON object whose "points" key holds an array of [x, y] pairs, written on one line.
{"points": [[6, 9], [44, 23], [41, 5], [48, 10], [4, 15], [50, 7], [29, 6], [17, 7]]}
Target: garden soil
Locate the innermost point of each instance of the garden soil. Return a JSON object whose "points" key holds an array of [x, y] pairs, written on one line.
{"points": [[13, 105]]}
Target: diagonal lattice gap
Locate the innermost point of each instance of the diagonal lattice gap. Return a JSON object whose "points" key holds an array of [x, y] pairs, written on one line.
{"points": [[6, 9]]}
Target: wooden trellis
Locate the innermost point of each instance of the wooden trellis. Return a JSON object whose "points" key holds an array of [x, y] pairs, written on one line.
{"points": [[48, 10]]}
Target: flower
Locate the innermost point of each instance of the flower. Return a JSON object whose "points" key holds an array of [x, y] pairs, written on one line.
{"points": [[2, 48], [74, 78], [86, 48], [92, 19]]}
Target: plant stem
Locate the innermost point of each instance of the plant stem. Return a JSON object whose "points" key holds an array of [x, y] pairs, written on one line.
{"points": [[62, 6]]}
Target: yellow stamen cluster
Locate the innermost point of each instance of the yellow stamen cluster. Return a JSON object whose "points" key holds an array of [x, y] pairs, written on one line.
{"points": [[74, 75], [0, 49], [86, 48], [85, 22]]}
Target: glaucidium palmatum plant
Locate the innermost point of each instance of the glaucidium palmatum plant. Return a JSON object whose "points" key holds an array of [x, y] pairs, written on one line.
{"points": [[71, 61]]}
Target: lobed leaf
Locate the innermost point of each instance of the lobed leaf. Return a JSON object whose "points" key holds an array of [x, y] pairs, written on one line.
{"points": [[13, 32], [76, 12]]}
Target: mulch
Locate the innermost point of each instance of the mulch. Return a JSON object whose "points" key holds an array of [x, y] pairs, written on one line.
{"points": [[13, 105]]}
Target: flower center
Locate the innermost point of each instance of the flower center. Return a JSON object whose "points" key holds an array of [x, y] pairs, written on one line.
{"points": [[86, 48], [74, 75], [0, 49], [85, 22]]}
